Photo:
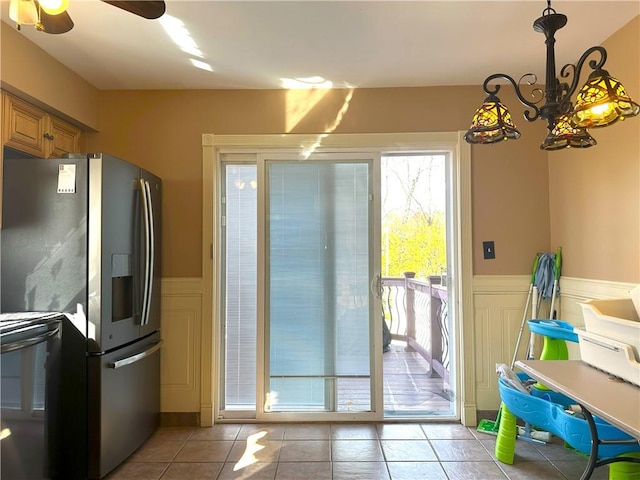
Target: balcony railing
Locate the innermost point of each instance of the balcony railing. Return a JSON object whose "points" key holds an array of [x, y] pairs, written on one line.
{"points": [[416, 312]]}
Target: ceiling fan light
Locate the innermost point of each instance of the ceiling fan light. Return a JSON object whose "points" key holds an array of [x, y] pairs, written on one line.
{"points": [[602, 101], [54, 7], [491, 123], [565, 135], [23, 12]]}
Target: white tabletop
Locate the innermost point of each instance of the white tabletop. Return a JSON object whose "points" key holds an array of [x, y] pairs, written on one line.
{"points": [[608, 397]]}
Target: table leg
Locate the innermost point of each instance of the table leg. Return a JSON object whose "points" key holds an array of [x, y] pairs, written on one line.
{"points": [[596, 442], [593, 454]]}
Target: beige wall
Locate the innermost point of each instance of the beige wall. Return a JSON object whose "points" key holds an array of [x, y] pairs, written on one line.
{"points": [[27, 71], [595, 193], [161, 130], [524, 200]]}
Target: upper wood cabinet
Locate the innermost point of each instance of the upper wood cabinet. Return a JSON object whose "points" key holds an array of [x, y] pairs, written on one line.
{"points": [[28, 129], [66, 137]]}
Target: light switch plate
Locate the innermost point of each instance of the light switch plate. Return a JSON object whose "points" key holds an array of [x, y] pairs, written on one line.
{"points": [[488, 248]]}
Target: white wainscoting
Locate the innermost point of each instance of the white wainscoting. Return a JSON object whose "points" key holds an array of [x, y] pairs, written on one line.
{"points": [[576, 290], [181, 325], [499, 302]]}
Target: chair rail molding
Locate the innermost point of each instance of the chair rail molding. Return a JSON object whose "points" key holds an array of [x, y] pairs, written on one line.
{"points": [[499, 309], [573, 291]]}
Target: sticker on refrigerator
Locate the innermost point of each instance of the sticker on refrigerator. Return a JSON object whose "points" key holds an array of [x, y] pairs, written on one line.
{"points": [[66, 178]]}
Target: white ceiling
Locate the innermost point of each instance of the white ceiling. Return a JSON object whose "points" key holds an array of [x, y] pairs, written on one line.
{"points": [[256, 44]]}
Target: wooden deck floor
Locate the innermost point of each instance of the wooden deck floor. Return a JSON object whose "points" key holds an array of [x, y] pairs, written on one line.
{"points": [[410, 388]]}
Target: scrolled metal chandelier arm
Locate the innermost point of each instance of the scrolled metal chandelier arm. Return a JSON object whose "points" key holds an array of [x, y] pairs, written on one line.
{"points": [[532, 112], [600, 102], [577, 69]]}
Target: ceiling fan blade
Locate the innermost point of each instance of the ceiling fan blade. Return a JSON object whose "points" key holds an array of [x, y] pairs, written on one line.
{"points": [[55, 24], [150, 9]]}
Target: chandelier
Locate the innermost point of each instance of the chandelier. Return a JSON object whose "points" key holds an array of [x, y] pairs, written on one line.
{"points": [[30, 12], [602, 100]]}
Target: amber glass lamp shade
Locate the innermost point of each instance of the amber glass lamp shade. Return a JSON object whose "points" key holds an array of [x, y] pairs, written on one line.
{"points": [[565, 135], [491, 123], [23, 12], [602, 101], [54, 7]]}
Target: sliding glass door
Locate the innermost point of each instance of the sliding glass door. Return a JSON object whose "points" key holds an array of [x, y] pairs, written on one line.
{"points": [[303, 302], [300, 249], [320, 245], [300, 301]]}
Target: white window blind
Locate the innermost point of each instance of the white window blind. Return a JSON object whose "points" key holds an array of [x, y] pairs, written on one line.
{"points": [[318, 280]]}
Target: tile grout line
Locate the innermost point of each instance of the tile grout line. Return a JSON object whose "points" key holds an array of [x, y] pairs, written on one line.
{"points": [[559, 470]]}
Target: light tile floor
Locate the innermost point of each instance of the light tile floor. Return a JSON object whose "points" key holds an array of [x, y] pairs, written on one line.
{"points": [[338, 451]]}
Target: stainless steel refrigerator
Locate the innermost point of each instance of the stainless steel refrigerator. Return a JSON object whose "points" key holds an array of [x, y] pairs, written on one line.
{"points": [[81, 235]]}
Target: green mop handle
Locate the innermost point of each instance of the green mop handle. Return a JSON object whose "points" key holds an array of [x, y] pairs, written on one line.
{"points": [[558, 265], [534, 310], [556, 277], [535, 269]]}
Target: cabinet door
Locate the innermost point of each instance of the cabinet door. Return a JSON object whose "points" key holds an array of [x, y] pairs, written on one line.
{"points": [[24, 127], [66, 138]]}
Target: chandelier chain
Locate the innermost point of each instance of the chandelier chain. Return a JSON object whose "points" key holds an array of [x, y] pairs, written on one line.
{"points": [[548, 10]]}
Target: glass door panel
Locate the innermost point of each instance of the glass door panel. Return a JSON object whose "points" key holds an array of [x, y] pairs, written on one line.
{"points": [[239, 287], [418, 301], [318, 250]]}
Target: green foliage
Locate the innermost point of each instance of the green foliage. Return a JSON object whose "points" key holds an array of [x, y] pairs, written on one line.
{"points": [[414, 242], [413, 215]]}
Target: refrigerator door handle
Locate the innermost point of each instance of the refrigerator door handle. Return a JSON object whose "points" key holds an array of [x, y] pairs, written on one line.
{"points": [[28, 342], [137, 357], [145, 213], [152, 247]]}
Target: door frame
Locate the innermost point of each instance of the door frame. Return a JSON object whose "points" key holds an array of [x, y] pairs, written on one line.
{"points": [[304, 145]]}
